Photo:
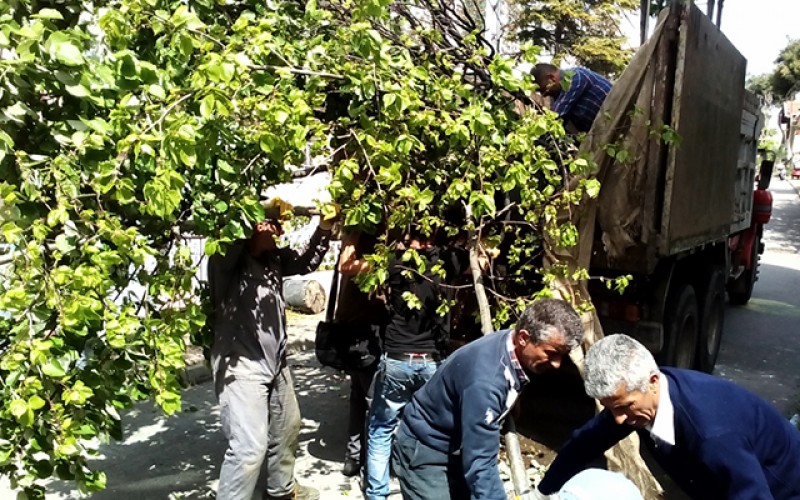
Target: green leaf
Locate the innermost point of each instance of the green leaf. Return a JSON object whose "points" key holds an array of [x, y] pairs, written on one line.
{"points": [[211, 247], [207, 106], [17, 111], [592, 188], [48, 14], [157, 91], [412, 301], [18, 408], [63, 244], [35, 402], [53, 369], [281, 116], [61, 47], [78, 90]]}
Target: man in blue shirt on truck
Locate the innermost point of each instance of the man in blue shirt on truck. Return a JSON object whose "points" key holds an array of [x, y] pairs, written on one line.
{"points": [[577, 94], [449, 440]]}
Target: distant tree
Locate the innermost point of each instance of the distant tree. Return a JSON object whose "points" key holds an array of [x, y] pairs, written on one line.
{"points": [[760, 84], [784, 81], [587, 30]]}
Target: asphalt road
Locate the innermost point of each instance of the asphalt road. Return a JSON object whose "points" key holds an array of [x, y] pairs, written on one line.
{"points": [[761, 341]]}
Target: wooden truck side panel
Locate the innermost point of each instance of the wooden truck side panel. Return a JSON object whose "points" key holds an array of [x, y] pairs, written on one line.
{"points": [[701, 171]]}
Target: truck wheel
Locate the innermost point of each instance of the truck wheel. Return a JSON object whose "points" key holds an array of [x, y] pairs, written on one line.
{"points": [[740, 290], [681, 322], [712, 314]]}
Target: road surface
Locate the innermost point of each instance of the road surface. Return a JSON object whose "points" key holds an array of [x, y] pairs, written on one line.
{"points": [[761, 341]]}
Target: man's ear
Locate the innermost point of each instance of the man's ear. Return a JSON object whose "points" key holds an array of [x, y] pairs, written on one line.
{"points": [[523, 337], [653, 380]]}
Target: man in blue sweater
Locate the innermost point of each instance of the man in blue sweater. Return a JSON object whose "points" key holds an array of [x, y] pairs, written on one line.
{"points": [[714, 439], [448, 442]]}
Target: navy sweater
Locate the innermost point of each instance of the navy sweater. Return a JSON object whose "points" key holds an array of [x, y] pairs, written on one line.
{"points": [[728, 443], [461, 408]]}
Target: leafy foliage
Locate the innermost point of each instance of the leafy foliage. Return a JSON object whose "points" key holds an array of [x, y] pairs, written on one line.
{"points": [[126, 123], [587, 30], [784, 81]]}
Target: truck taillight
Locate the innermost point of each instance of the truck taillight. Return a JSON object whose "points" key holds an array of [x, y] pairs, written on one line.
{"points": [[762, 206]]}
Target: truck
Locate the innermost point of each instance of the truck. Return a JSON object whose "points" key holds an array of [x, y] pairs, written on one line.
{"points": [[686, 220]]}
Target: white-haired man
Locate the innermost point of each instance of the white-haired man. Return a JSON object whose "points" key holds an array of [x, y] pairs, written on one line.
{"points": [[714, 439]]}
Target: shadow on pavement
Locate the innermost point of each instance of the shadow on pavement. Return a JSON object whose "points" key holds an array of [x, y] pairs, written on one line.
{"points": [[162, 456], [179, 456]]}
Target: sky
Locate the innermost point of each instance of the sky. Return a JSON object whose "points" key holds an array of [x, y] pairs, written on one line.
{"points": [[758, 28]]}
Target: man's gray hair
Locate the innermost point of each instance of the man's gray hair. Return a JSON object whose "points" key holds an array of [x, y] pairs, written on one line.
{"points": [[546, 318], [616, 360]]}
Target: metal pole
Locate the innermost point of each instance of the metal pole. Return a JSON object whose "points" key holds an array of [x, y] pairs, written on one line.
{"points": [[719, 13]]}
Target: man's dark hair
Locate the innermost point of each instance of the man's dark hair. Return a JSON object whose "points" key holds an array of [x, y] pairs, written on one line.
{"points": [[541, 71], [543, 315]]}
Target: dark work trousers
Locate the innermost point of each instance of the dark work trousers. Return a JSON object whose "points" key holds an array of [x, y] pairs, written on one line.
{"points": [[361, 385], [425, 473]]}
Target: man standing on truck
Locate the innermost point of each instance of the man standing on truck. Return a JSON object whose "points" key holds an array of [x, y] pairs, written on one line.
{"points": [[713, 438], [449, 440], [577, 94]]}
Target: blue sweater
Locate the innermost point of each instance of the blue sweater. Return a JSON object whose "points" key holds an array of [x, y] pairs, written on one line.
{"points": [[461, 408], [728, 443]]}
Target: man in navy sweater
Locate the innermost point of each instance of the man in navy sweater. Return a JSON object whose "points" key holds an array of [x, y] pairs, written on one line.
{"points": [[715, 439], [448, 442]]}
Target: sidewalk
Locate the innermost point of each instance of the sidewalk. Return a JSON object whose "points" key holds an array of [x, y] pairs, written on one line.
{"points": [[178, 457]]}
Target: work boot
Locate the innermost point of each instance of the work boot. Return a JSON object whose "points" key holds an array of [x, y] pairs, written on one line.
{"points": [[351, 467], [300, 493]]}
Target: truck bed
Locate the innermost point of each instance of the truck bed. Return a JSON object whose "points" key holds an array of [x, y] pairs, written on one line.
{"points": [[671, 196]]}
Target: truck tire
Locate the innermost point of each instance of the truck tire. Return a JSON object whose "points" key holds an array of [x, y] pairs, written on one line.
{"points": [[712, 315], [741, 289], [681, 324]]}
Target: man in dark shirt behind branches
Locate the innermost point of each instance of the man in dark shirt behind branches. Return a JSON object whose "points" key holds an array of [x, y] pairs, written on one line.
{"points": [[413, 346]]}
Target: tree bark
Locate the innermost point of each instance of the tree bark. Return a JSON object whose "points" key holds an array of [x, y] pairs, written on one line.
{"points": [[304, 295]]}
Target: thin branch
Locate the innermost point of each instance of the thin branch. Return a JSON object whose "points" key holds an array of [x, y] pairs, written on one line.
{"points": [[295, 71], [165, 113]]}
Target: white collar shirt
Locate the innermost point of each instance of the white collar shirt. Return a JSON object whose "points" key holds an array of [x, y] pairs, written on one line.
{"points": [[663, 427]]}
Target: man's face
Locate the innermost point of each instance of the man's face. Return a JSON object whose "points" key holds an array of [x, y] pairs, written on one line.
{"points": [[552, 85], [539, 357], [635, 408], [266, 234]]}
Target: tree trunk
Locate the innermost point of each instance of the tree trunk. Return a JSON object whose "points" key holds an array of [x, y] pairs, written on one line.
{"points": [[304, 295], [516, 464]]}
